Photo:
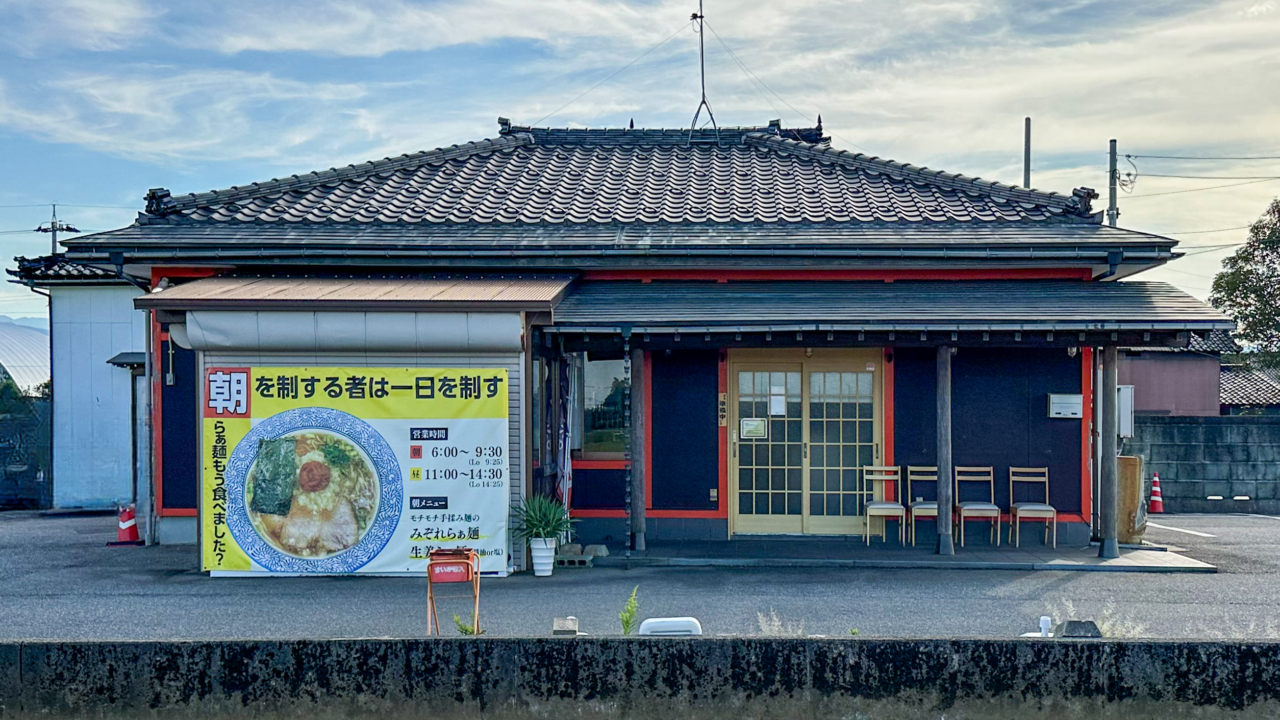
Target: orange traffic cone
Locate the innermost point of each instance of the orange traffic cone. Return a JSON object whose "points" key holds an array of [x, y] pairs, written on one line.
{"points": [[127, 533], [1157, 499]]}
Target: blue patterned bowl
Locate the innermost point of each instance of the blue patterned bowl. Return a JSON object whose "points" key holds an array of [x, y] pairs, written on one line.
{"points": [[360, 434]]}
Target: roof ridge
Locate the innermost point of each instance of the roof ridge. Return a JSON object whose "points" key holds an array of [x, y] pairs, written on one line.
{"points": [[160, 202], [1078, 201], [728, 135]]}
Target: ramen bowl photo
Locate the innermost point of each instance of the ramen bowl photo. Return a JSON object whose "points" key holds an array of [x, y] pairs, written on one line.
{"points": [[312, 490], [311, 494]]}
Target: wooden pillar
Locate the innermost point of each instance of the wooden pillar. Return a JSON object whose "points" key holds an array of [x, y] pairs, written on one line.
{"points": [[945, 543], [638, 432], [1108, 495]]}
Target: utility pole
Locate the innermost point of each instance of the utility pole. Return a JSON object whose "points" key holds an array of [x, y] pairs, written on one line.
{"points": [[1026, 157], [54, 226], [1113, 212]]}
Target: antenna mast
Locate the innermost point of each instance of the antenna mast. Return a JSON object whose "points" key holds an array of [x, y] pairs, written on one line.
{"points": [[699, 17]]}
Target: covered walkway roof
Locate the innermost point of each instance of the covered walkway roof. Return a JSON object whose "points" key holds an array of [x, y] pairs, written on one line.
{"points": [[902, 306]]}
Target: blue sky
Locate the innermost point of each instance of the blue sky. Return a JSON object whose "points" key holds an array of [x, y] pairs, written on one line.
{"points": [[102, 99]]}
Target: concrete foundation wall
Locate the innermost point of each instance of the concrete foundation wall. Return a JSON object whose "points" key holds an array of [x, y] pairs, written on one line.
{"points": [[735, 678], [1198, 457]]}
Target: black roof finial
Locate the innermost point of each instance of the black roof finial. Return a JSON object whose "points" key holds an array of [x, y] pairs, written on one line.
{"points": [[819, 128], [504, 126], [633, 124]]}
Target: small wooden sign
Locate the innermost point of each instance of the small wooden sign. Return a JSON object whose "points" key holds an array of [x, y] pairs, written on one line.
{"points": [[724, 409]]}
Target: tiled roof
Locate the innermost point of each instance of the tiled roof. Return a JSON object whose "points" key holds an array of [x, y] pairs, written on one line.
{"points": [[1218, 341], [904, 305], [538, 176], [1241, 386], [56, 269]]}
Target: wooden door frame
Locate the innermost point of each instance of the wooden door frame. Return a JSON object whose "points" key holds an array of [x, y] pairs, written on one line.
{"points": [[808, 360], [777, 364]]}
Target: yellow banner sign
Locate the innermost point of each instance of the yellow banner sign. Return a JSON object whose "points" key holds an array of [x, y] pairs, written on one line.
{"points": [[340, 470]]}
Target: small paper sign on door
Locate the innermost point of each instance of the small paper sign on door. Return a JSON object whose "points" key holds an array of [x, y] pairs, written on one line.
{"points": [[777, 404]]}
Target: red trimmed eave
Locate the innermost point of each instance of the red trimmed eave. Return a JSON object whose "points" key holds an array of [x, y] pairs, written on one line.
{"points": [[827, 275], [180, 272]]}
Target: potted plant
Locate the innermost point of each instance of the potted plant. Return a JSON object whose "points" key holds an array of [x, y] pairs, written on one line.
{"points": [[542, 521]]}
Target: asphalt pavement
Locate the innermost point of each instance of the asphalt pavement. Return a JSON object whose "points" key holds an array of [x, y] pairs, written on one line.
{"points": [[58, 581]]}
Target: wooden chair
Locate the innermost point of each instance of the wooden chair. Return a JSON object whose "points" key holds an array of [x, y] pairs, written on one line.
{"points": [[886, 475], [921, 508], [977, 509], [1030, 510]]}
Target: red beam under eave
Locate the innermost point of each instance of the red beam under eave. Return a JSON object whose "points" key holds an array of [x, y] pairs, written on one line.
{"points": [[828, 275], [180, 272]]}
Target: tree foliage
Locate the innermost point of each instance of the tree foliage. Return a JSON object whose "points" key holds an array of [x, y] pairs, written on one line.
{"points": [[1248, 288]]}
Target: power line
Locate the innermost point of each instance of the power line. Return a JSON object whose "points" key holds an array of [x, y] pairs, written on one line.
{"points": [[615, 74], [1202, 249], [1187, 157], [41, 205], [1201, 189], [766, 87], [1184, 272], [755, 83], [1201, 232], [1213, 177]]}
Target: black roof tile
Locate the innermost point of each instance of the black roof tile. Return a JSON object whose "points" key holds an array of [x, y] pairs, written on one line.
{"points": [[1241, 386], [51, 269], [591, 176]]}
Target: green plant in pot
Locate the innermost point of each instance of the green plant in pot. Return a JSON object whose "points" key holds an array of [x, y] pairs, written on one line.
{"points": [[542, 521]]}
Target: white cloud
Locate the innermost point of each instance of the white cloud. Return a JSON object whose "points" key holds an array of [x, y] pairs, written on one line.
{"points": [[48, 26], [943, 83], [334, 27], [157, 113]]}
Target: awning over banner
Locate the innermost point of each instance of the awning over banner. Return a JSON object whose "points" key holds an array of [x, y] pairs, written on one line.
{"points": [[498, 292], [458, 314]]}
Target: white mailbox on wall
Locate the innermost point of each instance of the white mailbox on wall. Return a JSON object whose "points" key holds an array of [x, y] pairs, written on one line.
{"points": [[1066, 406], [1124, 407]]}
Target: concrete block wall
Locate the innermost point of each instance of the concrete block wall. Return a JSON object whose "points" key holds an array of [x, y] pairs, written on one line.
{"points": [[1199, 457], [642, 678]]}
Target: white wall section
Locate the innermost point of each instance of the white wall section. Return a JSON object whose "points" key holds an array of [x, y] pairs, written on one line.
{"points": [[93, 401], [354, 332]]}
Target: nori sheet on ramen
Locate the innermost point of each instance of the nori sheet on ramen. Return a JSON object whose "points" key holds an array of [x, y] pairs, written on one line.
{"points": [[274, 475]]}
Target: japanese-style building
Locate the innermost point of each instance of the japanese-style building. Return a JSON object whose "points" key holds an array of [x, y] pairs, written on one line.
{"points": [[710, 332]]}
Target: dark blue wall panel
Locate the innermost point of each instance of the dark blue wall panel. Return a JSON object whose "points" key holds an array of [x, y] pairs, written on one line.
{"points": [[686, 429], [999, 415], [599, 489], [179, 454]]}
